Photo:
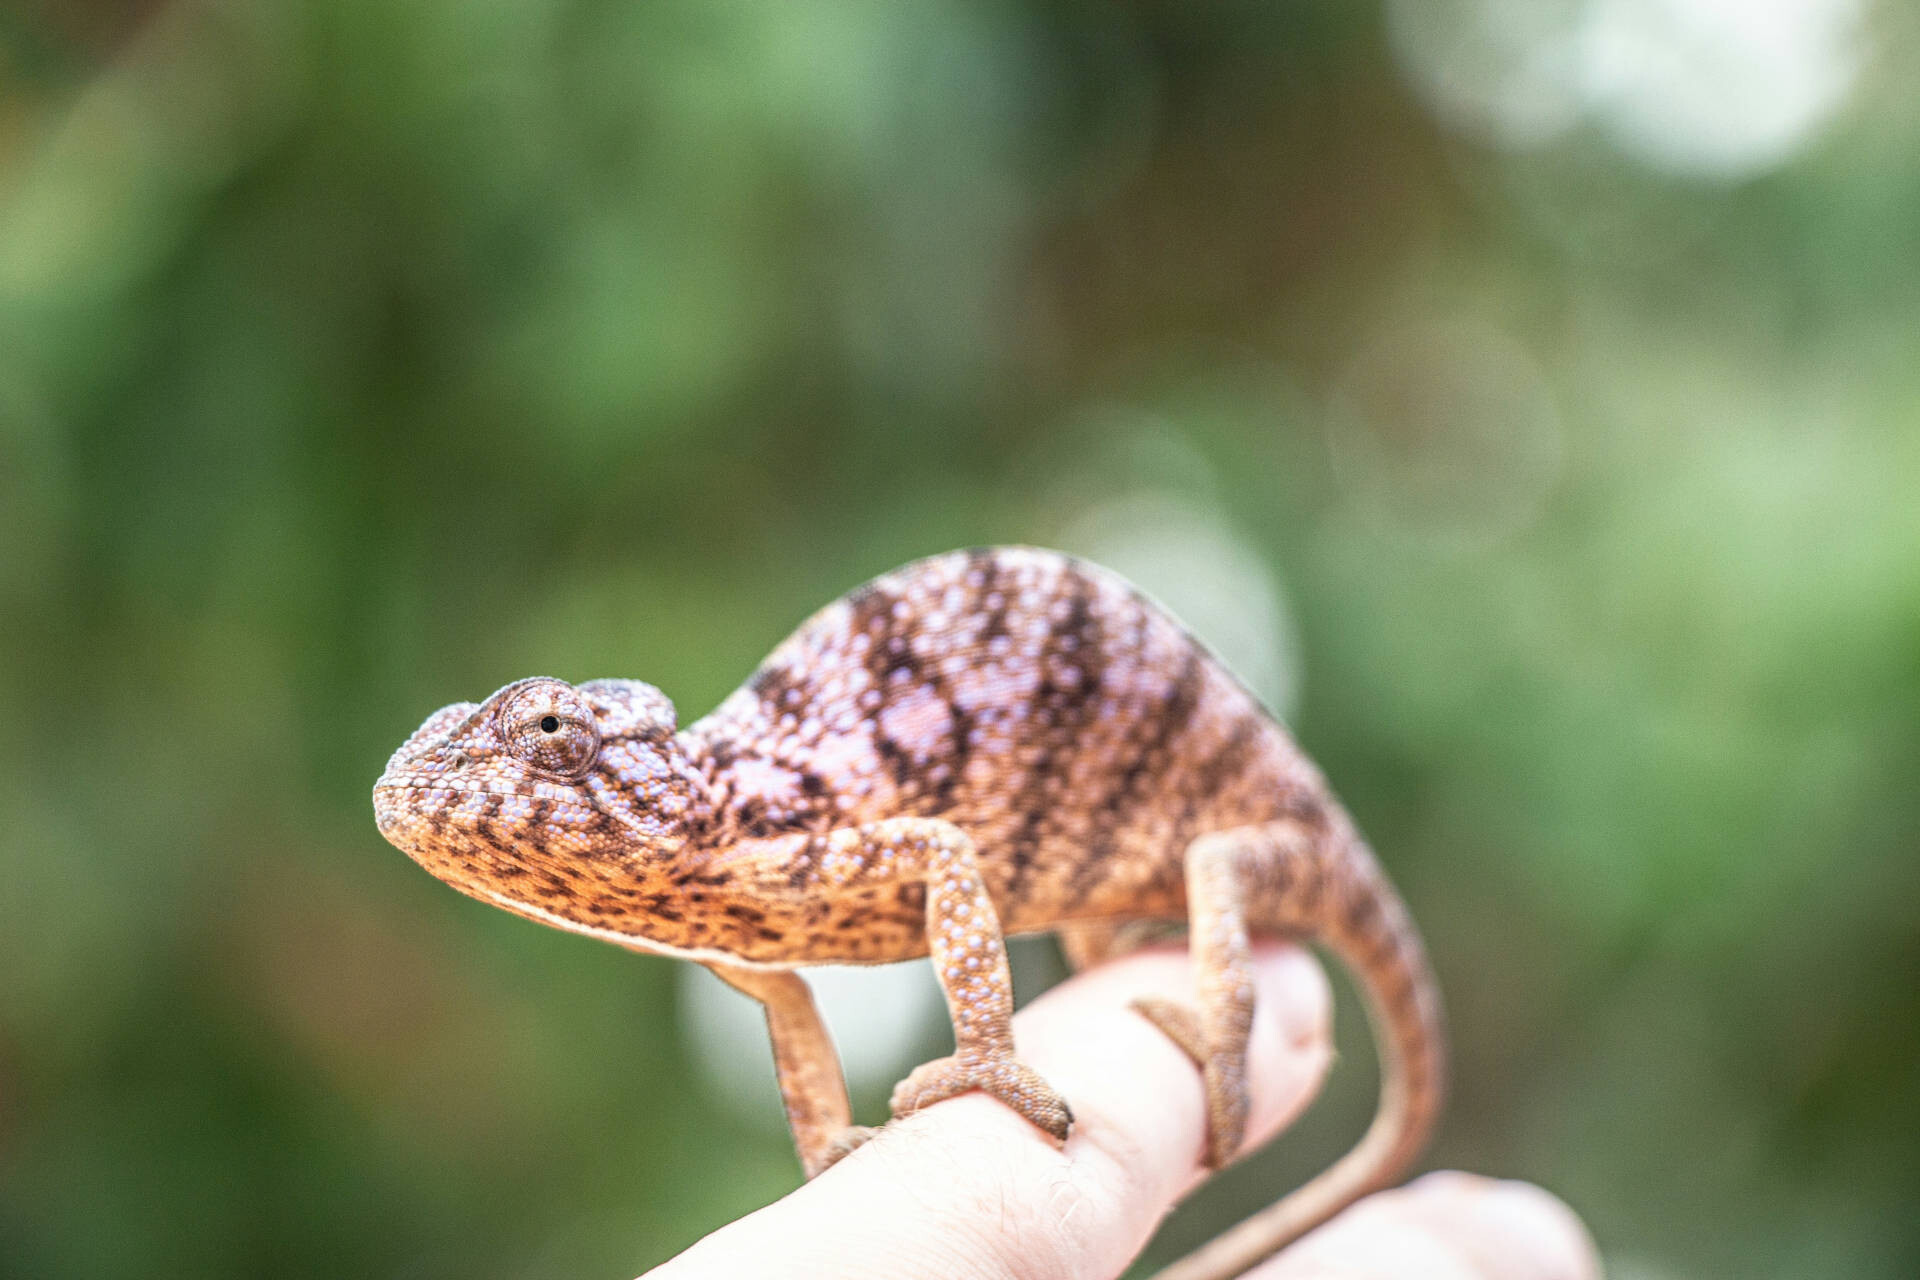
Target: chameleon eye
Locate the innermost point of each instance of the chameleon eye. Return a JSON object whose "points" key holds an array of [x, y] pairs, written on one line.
{"points": [[549, 727]]}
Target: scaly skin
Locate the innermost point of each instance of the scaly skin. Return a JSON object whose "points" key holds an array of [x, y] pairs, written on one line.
{"points": [[978, 744]]}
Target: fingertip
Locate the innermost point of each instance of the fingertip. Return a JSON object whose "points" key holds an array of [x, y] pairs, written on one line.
{"points": [[1447, 1226], [1514, 1220]]}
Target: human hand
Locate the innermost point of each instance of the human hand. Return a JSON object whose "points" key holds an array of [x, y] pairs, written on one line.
{"points": [[966, 1189]]}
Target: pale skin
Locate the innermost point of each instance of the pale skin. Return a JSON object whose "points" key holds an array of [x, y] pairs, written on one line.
{"points": [[966, 1189], [983, 743]]}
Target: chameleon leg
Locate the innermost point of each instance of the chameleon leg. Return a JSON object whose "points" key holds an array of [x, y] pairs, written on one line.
{"points": [[1223, 960], [970, 959], [804, 1060], [1314, 879], [1271, 872]]}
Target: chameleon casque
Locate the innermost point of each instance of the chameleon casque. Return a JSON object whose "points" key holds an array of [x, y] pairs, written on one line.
{"points": [[978, 744]]}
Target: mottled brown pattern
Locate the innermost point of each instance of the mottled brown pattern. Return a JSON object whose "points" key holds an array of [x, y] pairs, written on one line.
{"points": [[981, 743]]}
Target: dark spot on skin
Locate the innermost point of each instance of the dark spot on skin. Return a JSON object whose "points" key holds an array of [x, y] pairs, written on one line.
{"points": [[749, 818], [904, 667], [1234, 754], [1277, 876], [870, 603], [484, 833], [1312, 884], [1079, 622], [900, 766], [1305, 808], [1386, 938], [988, 565], [744, 913], [1363, 911], [959, 750], [1398, 991], [769, 683]]}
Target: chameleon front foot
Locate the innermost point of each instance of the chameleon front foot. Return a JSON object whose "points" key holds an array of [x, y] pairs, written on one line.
{"points": [[1000, 1075]]}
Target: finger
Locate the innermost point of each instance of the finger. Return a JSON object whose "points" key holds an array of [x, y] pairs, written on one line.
{"points": [[1447, 1226], [966, 1187]]}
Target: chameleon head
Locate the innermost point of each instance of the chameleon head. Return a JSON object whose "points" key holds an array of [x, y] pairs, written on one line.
{"points": [[556, 801]]}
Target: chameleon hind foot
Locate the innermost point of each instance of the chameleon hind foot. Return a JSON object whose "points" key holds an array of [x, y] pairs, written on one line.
{"points": [[1000, 1075], [1224, 1074]]}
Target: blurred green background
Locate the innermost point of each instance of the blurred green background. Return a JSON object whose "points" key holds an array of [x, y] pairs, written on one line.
{"points": [[1527, 395]]}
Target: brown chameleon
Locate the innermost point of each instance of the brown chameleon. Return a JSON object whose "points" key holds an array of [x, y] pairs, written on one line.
{"points": [[982, 743]]}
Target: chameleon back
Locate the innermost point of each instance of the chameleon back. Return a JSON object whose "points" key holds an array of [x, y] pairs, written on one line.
{"points": [[1040, 703]]}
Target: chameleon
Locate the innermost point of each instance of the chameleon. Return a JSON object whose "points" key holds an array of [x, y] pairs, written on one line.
{"points": [[983, 743]]}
